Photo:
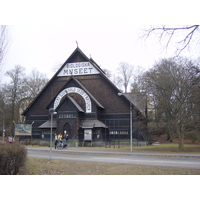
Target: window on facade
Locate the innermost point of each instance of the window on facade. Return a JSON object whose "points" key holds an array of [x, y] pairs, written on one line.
{"points": [[119, 132], [113, 132], [48, 132], [67, 115], [124, 132]]}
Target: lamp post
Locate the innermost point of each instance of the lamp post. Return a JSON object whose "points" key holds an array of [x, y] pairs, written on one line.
{"points": [[131, 125], [52, 112]]}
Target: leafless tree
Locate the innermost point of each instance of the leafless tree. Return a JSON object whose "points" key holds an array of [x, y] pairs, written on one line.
{"points": [[125, 72], [18, 93], [35, 82], [3, 42], [14, 91], [173, 85], [168, 33], [136, 85]]}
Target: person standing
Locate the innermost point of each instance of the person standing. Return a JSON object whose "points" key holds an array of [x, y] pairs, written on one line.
{"points": [[56, 142], [59, 136]]}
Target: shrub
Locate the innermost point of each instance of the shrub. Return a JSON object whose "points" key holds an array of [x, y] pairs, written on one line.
{"points": [[12, 158]]}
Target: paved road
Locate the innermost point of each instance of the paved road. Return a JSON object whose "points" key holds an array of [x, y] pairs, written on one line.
{"points": [[118, 157]]}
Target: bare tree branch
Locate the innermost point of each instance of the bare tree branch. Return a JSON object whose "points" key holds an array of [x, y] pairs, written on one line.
{"points": [[168, 33], [126, 72], [3, 42]]}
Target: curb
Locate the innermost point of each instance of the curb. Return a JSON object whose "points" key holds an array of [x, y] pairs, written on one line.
{"points": [[78, 150]]}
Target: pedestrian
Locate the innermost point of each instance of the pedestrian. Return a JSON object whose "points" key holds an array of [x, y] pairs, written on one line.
{"points": [[56, 142], [66, 137], [59, 136]]}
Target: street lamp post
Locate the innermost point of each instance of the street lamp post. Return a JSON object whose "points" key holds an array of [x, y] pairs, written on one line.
{"points": [[3, 133], [52, 112], [131, 125]]}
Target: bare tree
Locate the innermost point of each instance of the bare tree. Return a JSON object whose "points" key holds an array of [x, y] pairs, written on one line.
{"points": [[125, 72], [17, 94], [172, 86], [14, 91], [168, 33], [136, 85], [3, 42], [35, 82]]}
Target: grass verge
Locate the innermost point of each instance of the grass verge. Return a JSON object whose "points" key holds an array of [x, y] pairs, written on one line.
{"points": [[163, 148], [37, 166]]}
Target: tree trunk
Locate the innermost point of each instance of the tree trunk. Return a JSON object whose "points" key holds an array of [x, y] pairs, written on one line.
{"points": [[180, 136], [169, 132], [181, 142]]}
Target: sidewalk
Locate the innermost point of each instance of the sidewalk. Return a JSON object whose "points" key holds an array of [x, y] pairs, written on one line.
{"points": [[112, 151]]}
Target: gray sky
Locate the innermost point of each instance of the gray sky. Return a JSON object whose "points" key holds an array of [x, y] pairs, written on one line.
{"points": [[44, 47], [107, 30]]}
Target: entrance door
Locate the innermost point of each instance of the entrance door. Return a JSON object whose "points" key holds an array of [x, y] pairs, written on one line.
{"points": [[67, 129]]}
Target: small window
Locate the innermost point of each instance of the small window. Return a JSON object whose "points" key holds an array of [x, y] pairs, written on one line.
{"points": [[113, 132], [124, 132]]}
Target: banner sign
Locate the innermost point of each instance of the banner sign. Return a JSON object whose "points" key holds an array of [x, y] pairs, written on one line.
{"points": [[23, 129], [77, 91], [78, 69]]}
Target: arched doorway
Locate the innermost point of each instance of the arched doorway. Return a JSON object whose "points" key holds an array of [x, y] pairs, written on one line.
{"points": [[77, 91], [67, 129]]}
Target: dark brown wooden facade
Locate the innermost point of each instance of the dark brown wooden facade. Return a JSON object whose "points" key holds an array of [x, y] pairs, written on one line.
{"points": [[87, 104]]}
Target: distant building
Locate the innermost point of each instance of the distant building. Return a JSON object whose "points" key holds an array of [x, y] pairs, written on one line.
{"points": [[87, 104]]}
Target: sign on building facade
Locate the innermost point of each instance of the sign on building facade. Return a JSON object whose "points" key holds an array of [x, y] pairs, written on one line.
{"points": [[78, 69], [77, 91]]}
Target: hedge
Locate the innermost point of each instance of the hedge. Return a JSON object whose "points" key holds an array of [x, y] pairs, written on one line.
{"points": [[12, 158]]}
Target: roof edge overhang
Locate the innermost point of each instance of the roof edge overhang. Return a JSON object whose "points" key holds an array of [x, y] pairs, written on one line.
{"points": [[47, 124], [138, 101], [92, 123]]}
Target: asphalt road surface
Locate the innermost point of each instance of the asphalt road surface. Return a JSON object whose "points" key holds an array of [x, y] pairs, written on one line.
{"points": [[164, 160]]}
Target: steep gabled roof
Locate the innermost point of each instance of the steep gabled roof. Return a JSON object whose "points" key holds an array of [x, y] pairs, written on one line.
{"points": [[139, 100], [76, 104], [47, 124], [91, 96], [81, 56], [82, 87], [78, 54]]}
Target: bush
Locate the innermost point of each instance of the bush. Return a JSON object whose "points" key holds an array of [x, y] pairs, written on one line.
{"points": [[12, 158]]}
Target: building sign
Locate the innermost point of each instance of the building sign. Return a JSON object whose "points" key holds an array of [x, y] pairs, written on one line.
{"points": [[77, 69], [23, 129], [77, 91], [88, 134]]}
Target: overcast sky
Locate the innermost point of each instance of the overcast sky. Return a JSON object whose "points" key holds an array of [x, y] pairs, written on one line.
{"points": [[44, 47], [109, 31]]}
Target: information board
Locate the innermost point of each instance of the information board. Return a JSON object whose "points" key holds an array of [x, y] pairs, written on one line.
{"points": [[23, 129]]}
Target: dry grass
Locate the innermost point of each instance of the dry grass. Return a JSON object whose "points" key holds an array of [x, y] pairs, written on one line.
{"points": [[36, 166], [163, 148]]}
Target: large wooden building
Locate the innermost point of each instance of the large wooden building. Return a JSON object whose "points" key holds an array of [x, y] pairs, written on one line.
{"points": [[87, 105]]}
